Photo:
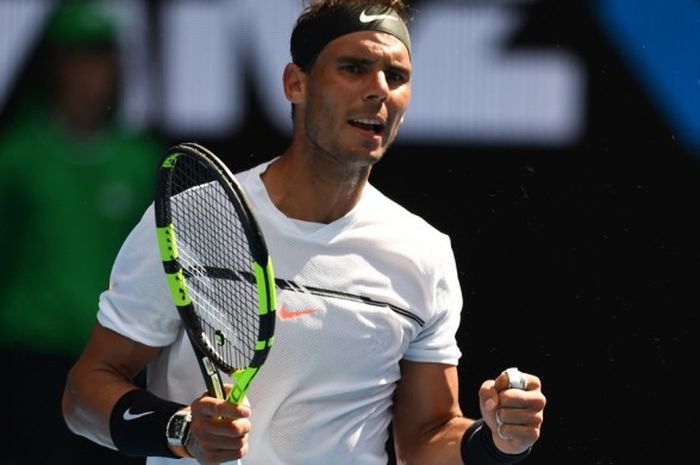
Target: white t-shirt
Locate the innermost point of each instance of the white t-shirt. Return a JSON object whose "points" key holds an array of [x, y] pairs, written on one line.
{"points": [[374, 287]]}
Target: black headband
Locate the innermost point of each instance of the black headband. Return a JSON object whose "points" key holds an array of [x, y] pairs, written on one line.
{"points": [[311, 36]]}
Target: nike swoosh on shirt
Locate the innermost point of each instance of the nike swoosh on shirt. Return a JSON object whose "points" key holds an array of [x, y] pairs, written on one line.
{"points": [[288, 285], [286, 314], [128, 416], [365, 18]]}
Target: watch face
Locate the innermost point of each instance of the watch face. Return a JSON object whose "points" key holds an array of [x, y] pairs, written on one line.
{"points": [[178, 423], [178, 427]]}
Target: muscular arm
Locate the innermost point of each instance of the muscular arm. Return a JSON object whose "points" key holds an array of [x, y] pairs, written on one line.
{"points": [[428, 422], [103, 373]]}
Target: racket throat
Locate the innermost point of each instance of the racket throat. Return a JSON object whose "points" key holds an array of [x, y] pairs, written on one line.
{"points": [[241, 381]]}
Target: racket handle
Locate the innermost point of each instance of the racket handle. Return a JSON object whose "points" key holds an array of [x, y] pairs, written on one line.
{"points": [[212, 378], [215, 387]]}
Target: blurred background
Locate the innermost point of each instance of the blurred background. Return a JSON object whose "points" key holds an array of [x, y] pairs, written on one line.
{"points": [[557, 143]]}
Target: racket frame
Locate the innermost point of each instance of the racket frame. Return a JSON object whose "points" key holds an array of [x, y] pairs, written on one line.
{"points": [[209, 361]]}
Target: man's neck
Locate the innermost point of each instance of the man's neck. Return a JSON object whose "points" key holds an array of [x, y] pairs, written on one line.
{"points": [[303, 188]]}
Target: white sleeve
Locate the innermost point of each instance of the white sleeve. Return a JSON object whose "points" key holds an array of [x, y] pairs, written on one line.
{"points": [[138, 303], [436, 342]]}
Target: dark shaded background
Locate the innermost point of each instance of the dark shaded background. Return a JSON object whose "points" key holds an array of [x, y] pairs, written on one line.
{"points": [[580, 265]]}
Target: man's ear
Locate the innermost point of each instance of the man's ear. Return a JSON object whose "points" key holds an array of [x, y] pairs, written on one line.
{"points": [[294, 82]]}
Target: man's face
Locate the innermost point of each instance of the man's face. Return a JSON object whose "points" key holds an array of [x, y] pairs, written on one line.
{"points": [[86, 84], [356, 95]]}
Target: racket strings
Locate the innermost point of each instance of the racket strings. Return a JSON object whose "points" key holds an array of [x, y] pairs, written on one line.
{"points": [[215, 254]]}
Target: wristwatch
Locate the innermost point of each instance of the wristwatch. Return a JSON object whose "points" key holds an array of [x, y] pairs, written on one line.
{"points": [[178, 429]]}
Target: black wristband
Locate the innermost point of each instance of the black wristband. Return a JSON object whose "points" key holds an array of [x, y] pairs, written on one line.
{"points": [[477, 447], [138, 422]]}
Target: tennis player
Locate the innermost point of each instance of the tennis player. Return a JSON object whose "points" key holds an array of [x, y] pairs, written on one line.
{"points": [[374, 344]]}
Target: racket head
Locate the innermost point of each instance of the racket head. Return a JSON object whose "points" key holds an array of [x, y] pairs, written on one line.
{"points": [[216, 261]]}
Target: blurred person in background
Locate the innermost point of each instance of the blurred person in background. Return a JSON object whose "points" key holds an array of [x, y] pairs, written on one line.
{"points": [[72, 178]]}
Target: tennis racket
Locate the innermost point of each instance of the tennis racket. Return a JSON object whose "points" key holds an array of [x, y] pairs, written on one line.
{"points": [[217, 266]]}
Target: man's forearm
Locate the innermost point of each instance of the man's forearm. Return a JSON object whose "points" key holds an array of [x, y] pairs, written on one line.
{"points": [[88, 400]]}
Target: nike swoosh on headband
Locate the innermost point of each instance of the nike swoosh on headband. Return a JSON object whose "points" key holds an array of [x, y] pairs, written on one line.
{"points": [[365, 18], [128, 416]]}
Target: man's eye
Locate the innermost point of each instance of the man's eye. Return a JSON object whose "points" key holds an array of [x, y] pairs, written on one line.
{"points": [[396, 76], [355, 69]]}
